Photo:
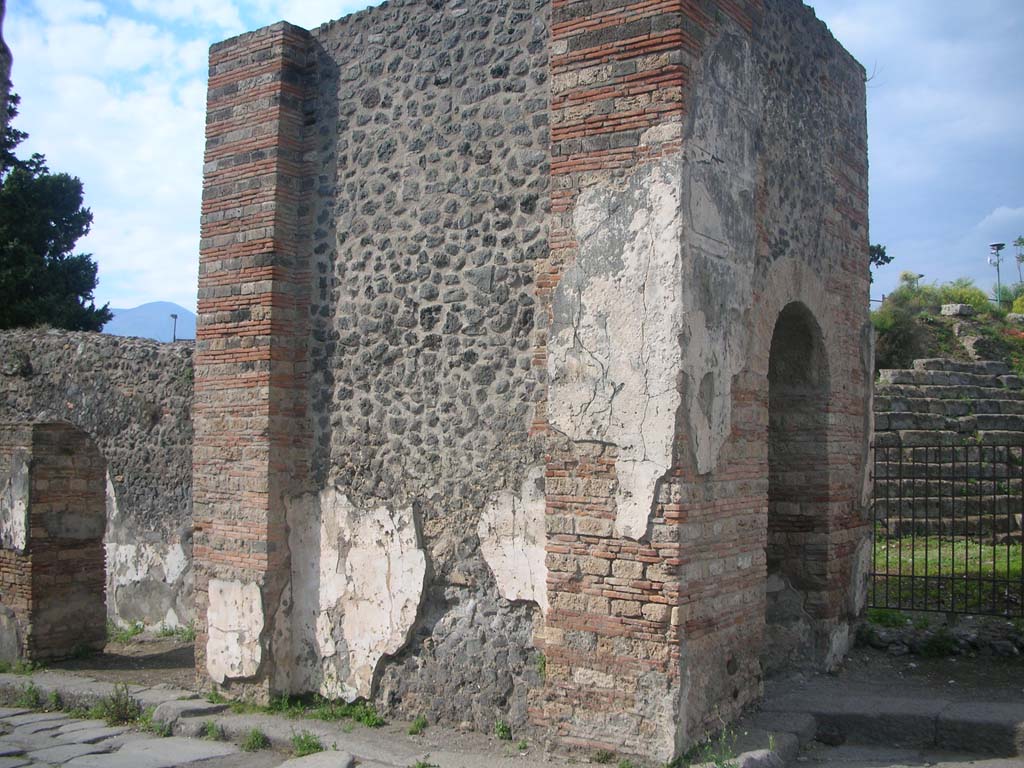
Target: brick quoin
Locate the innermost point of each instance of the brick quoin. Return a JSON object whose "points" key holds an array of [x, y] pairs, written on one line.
{"points": [[250, 434]]}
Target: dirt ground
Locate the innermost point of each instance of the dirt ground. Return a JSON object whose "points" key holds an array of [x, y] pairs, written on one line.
{"points": [[151, 661], [145, 661]]}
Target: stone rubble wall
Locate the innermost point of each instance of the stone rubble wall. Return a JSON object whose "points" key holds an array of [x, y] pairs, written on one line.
{"points": [[133, 398], [487, 296]]}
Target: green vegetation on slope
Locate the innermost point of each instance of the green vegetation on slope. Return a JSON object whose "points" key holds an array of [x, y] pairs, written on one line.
{"points": [[909, 325]]}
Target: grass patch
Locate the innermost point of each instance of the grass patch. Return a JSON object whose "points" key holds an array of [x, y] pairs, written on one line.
{"points": [[886, 617], [119, 708], [306, 743], [123, 635], [320, 708], [938, 646], [421, 764], [941, 573], [418, 726], [603, 757], [211, 731], [254, 741], [20, 667], [186, 634], [149, 725], [503, 730], [29, 697]]}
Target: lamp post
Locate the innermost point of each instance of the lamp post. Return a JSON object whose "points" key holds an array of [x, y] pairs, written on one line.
{"points": [[995, 259], [174, 328]]}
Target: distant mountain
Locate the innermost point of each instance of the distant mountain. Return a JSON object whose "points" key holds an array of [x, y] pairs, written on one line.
{"points": [[152, 321]]}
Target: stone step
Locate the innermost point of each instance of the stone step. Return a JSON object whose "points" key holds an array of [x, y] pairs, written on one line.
{"points": [[947, 525], [993, 367], [947, 378], [960, 472], [998, 509], [914, 487], [922, 438], [948, 392], [946, 406]]}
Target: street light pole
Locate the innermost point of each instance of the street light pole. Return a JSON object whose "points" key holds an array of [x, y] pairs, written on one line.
{"points": [[174, 328], [994, 260]]}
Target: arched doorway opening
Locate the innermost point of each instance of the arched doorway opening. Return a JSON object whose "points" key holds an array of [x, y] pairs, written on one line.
{"points": [[52, 521], [798, 489]]}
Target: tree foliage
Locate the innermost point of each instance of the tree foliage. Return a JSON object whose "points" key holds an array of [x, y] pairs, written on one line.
{"points": [[41, 219]]}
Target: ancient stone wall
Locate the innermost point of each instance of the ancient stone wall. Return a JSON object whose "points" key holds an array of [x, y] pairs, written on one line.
{"points": [[52, 519], [489, 295], [133, 398]]}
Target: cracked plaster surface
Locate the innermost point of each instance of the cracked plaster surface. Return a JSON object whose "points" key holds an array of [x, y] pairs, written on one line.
{"points": [[357, 581], [512, 537], [614, 356], [235, 622], [14, 498]]}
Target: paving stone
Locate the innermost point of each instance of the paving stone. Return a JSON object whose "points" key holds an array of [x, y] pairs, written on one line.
{"points": [[36, 717], [65, 752], [90, 735], [321, 760], [7, 748], [6, 712], [14, 762], [170, 711], [43, 727], [156, 753], [82, 725]]}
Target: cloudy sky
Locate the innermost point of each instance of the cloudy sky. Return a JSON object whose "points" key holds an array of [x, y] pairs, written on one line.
{"points": [[113, 92]]}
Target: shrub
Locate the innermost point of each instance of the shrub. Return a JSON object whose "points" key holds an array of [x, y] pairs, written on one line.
{"points": [[119, 708], [418, 725], [306, 743], [254, 741]]}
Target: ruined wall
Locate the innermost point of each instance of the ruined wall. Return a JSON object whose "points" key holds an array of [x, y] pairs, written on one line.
{"points": [[52, 519], [711, 167], [487, 299], [133, 398], [425, 152]]}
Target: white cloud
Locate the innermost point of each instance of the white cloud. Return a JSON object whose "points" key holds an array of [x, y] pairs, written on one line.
{"points": [[221, 14], [60, 11]]}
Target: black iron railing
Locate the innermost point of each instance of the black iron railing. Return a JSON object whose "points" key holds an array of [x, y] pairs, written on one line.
{"points": [[947, 527]]}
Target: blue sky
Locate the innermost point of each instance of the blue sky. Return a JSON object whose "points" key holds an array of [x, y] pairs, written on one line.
{"points": [[114, 92]]}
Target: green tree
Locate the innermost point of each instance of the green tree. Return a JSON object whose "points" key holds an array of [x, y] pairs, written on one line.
{"points": [[877, 257], [41, 219]]}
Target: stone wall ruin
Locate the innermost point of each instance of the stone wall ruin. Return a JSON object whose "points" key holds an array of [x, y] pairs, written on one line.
{"points": [[487, 368], [133, 398]]}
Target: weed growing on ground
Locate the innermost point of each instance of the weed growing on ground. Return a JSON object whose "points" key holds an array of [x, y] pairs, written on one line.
{"points": [[542, 666], [626, 764], [603, 757], [119, 708], [211, 731], [116, 634], [29, 697], [503, 730], [418, 726], [20, 667], [306, 743], [215, 697], [186, 634], [255, 740], [523, 745], [320, 708], [421, 764], [149, 725], [54, 703], [939, 645]]}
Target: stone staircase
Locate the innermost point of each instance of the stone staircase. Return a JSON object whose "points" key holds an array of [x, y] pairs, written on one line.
{"points": [[949, 450]]}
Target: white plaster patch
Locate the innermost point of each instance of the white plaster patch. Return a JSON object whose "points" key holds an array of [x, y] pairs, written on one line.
{"points": [[512, 537], [14, 497], [614, 356], [357, 581], [234, 622]]}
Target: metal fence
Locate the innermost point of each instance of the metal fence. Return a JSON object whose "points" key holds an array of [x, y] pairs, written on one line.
{"points": [[947, 527]]}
